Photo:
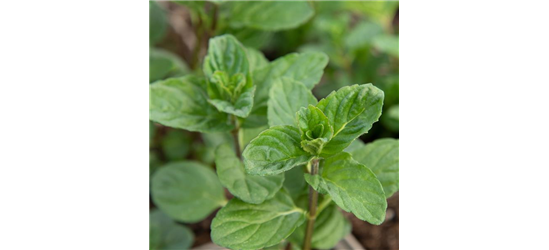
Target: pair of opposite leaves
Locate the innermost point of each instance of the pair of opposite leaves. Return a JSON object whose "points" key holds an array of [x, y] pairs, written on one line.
{"points": [[196, 104]]}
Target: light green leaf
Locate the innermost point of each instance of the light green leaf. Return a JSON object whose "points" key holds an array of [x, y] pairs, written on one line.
{"points": [[164, 233], [351, 111], [249, 188], [242, 106], [352, 186], [390, 118], [354, 145], [274, 151], [256, 59], [363, 35], [187, 191], [227, 68], [329, 228], [158, 23], [182, 103], [240, 225], [306, 68], [285, 99], [313, 124], [176, 144], [315, 129], [387, 43], [269, 15], [381, 156], [226, 54], [164, 64]]}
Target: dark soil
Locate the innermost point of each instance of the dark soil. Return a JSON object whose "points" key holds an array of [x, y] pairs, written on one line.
{"points": [[384, 236]]}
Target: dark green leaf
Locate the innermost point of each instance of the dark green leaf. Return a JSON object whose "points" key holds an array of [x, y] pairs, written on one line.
{"points": [[249, 188], [381, 156], [274, 151], [164, 64], [187, 191], [352, 186], [351, 111], [164, 233], [176, 144], [240, 225], [294, 182], [158, 23], [182, 103]]}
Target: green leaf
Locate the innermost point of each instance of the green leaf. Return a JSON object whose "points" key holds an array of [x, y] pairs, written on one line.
{"points": [[363, 35], [241, 108], [176, 144], [274, 151], [285, 99], [164, 64], [381, 156], [227, 68], [315, 129], [329, 228], [269, 15], [226, 54], [240, 225], [182, 103], [164, 233], [313, 124], [187, 191], [205, 151], [352, 186], [351, 111], [354, 145], [294, 182], [256, 59], [158, 23], [306, 68], [387, 43], [249, 188], [248, 134]]}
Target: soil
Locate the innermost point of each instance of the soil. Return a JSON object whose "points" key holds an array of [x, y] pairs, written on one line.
{"points": [[384, 236]]}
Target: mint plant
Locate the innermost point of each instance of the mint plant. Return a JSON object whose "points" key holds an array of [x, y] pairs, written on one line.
{"points": [[290, 179]]}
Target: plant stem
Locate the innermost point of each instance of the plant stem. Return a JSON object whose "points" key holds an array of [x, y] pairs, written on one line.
{"points": [[311, 217], [236, 139]]}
